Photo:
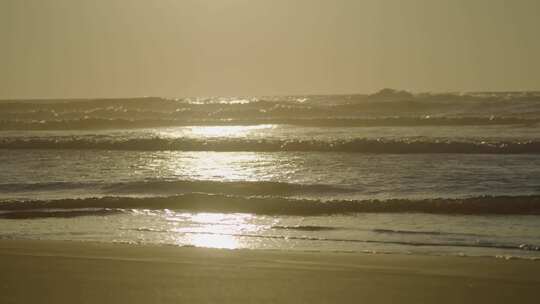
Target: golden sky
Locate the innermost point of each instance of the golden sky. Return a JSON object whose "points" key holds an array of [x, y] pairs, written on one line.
{"points": [[120, 48]]}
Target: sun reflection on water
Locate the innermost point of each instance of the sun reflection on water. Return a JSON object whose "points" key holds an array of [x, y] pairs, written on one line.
{"points": [[227, 131], [214, 241], [223, 166], [216, 132], [217, 230]]}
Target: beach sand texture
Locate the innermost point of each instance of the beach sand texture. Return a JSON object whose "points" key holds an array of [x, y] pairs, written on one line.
{"points": [[76, 272]]}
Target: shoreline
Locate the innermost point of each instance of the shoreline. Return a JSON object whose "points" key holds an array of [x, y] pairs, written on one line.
{"points": [[282, 250], [87, 272]]}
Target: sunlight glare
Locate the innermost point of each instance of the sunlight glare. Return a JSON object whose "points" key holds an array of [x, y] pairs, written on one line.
{"points": [[219, 241], [223, 166], [227, 131], [218, 230]]}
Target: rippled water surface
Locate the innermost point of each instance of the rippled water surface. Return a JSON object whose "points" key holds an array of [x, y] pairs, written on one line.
{"points": [[436, 174]]}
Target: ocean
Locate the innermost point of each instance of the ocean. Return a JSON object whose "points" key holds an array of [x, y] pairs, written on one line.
{"points": [[391, 172]]}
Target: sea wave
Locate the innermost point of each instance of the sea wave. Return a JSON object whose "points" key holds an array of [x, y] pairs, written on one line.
{"points": [[305, 228], [268, 205], [56, 213], [477, 244], [423, 232], [50, 186], [96, 123], [375, 230], [360, 145], [388, 107], [166, 187]]}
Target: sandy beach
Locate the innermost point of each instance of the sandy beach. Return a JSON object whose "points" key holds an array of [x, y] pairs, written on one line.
{"points": [[75, 272]]}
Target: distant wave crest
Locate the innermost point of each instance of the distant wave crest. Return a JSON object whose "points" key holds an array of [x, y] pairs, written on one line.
{"points": [[385, 108]]}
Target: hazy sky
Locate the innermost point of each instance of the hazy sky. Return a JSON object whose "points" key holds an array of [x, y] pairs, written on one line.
{"points": [[116, 48]]}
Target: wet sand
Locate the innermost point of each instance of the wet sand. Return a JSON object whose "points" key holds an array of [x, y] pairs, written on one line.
{"points": [[72, 272]]}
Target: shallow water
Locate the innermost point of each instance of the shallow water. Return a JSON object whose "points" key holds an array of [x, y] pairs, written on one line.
{"points": [[504, 236], [467, 182]]}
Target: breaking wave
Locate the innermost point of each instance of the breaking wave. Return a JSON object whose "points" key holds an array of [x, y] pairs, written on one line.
{"points": [[268, 205], [375, 230], [163, 187], [385, 108], [305, 228], [125, 123], [361, 145], [478, 244], [56, 213]]}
